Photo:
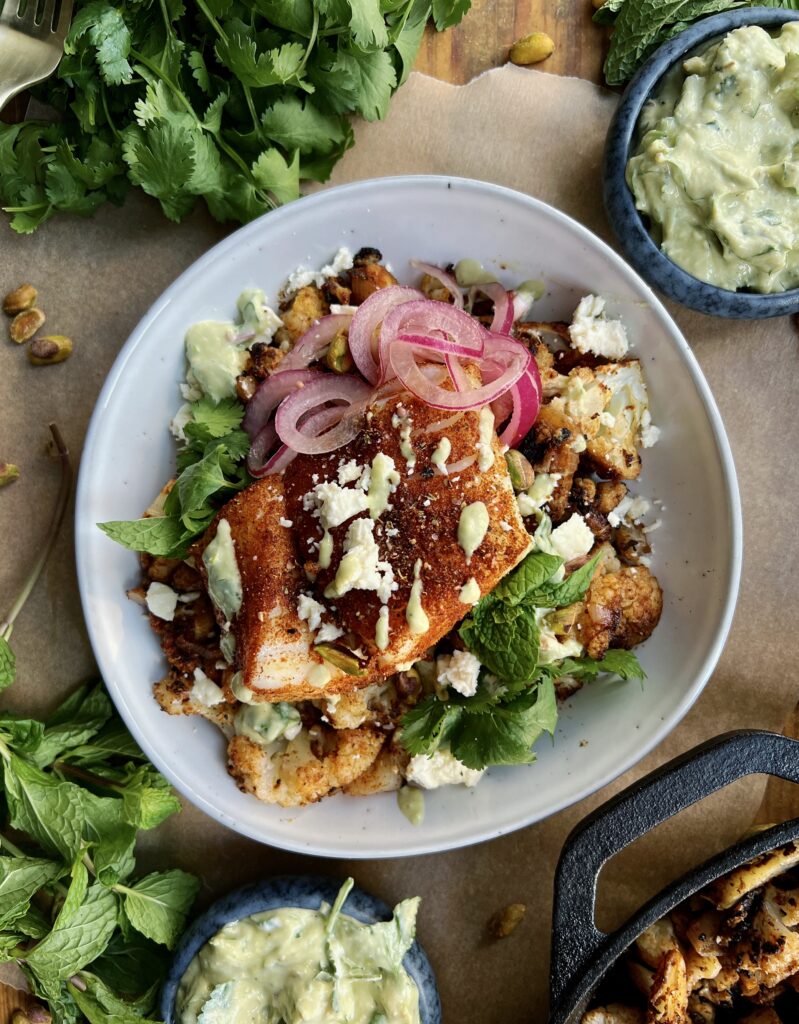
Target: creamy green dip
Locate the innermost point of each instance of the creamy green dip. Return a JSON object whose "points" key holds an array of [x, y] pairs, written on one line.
{"points": [[295, 966], [717, 167], [224, 578], [214, 360]]}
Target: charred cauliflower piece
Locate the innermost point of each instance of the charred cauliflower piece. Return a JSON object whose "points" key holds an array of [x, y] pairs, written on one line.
{"points": [[173, 694], [310, 766], [583, 397], [621, 610], [304, 307], [613, 450], [548, 447], [384, 775], [368, 275], [614, 1013]]}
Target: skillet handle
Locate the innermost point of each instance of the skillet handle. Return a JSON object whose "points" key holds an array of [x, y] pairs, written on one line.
{"points": [[634, 812]]}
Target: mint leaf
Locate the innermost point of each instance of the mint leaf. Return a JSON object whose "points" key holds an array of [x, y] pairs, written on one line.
{"points": [[23, 734], [568, 590], [158, 904], [20, 879], [536, 569], [642, 26], [158, 535], [508, 647], [75, 722], [8, 664], [147, 798], [80, 933], [46, 808]]}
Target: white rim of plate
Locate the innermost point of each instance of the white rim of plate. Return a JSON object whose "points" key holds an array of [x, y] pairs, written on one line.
{"points": [[196, 269]]}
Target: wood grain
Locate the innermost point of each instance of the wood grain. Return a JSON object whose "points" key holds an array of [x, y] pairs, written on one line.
{"points": [[485, 35]]}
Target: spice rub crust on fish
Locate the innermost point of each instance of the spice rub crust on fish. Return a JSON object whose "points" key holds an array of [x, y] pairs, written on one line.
{"points": [[418, 568]]}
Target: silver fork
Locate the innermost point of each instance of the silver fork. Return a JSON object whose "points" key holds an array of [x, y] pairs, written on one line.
{"points": [[32, 34]]}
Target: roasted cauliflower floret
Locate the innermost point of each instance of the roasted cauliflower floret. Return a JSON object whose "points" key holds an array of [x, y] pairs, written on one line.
{"points": [[173, 694], [625, 421], [304, 307], [621, 610], [384, 775], [668, 999], [583, 397], [305, 769], [548, 446]]}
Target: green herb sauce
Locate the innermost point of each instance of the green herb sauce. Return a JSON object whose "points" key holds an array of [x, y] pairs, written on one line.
{"points": [[717, 168], [296, 966]]}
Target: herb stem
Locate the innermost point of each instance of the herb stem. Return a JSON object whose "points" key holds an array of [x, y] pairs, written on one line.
{"points": [[64, 490], [12, 848], [72, 771], [107, 112]]}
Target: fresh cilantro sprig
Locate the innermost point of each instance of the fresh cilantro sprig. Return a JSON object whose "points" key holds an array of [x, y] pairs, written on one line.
{"points": [[640, 26], [86, 930], [515, 700], [211, 469], [232, 101]]}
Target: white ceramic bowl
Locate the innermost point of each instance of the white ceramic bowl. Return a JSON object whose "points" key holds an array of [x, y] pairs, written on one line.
{"points": [[129, 454]]}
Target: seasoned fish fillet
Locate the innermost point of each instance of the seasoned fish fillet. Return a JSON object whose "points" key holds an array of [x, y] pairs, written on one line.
{"points": [[411, 535]]}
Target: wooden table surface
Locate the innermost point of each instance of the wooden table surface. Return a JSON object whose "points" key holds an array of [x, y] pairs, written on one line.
{"points": [[481, 42]]}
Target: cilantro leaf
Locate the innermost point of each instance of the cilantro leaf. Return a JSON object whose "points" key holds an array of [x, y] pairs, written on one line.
{"points": [[447, 13], [623, 664], [214, 419], [109, 35], [274, 174], [295, 124], [505, 733], [427, 725]]}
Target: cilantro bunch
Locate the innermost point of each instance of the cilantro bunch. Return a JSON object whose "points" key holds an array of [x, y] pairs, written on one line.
{"points": [[515, 700], [640, 26], [211, 469], [85, 929], [234, 101]]}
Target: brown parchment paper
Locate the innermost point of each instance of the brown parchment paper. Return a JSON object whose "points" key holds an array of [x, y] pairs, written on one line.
{"points": [[542, 135]]}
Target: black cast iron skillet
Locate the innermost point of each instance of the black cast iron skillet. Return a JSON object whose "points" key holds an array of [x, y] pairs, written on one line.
{"points": [[581, 953]]}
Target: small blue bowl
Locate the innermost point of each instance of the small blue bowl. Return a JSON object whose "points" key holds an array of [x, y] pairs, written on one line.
{"points": [[306, 892], [639, 248]]}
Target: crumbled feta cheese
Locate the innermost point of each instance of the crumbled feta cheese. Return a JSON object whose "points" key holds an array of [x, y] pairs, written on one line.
{"points": [[591, 331], [650, 434], [607, 419], [285, 522], [205, 691], [310, 611], [337, 310], [179, 421], [349, 472], [189, 596], [461, 671], [579, 444], [302, 276], [327, 632], [631, 509], [440, 769], [653, 526], [161, 601], [191, 390], [572, 539], [334, 503], [361, 567]]}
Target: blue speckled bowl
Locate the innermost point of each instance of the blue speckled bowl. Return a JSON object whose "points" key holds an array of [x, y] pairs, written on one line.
{"points": [[293, 891], [639, 248]]}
